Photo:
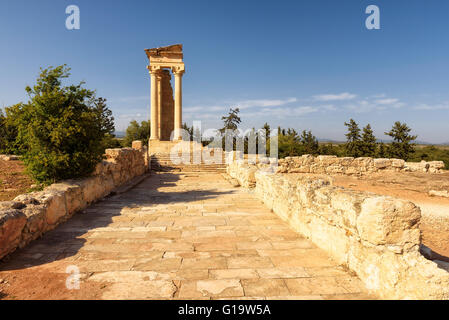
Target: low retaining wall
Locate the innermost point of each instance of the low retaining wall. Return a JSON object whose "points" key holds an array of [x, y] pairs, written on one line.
{"points": [[9, 157], [348, 165], [30, 215], [378, 237]]}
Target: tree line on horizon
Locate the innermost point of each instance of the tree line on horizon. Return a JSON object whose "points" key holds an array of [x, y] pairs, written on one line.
{"points": [[360, 142]]}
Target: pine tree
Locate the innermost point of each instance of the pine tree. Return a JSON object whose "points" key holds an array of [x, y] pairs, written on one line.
{"points": [[402, 146], [231, 121], [267, 129], [309, 142], [382, 151], [230, 125], [353, 143], [368, 142]]}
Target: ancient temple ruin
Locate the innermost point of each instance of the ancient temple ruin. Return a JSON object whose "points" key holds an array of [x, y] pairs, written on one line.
{"points": [[166, 111]]}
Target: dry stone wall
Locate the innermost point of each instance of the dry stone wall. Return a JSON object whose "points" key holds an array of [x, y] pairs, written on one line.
{"points": [[349, 165], [377, 237], [9, 157], [28, 216]]}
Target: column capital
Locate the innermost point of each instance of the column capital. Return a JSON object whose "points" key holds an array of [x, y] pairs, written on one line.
{"points": [[154, 69], [178, 70]]}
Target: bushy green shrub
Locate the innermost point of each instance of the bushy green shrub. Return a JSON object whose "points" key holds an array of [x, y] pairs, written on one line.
{"points": [[61, 130], [8, 132]]}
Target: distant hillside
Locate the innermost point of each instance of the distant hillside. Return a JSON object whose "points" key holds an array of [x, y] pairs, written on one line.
{"points": [[120, 134]]}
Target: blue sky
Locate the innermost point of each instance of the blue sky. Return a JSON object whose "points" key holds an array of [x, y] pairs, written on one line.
{"points": [[303, 64]]}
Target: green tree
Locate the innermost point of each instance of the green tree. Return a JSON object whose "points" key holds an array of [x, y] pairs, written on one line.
{"points": [[107, 122], [189, 130], [353, 142], [402, 146], [136, 131], [231, 121], [309, 143], [368, 143], [266, 128], [3, 139], [289, 143], [327, 149], [8, 131], [382, 151], [230, 125], [61, 129]]}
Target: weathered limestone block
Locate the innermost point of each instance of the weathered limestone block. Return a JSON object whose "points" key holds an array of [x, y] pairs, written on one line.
{"points": [[73, 195], [55, 204], [327, 160], [137, 145], [382, 163], [5, 205], [91, 189], [335, 169], [346, 206], [36, 223], [243, 173], [417, 166], [397, 163], [12, 222], [317, 168], [352, 170], [436, 166], [9, 157], [439, 193], [389, 221]]}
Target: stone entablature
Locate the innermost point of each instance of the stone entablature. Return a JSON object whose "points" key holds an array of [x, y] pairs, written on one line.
{"points": [[30, 215], [349, 165], [377, 237]]}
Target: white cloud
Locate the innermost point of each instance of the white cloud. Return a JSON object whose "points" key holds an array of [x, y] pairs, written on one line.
{"points": [[395, 103], [281, 112], [387, 101], [264, 103], [443, 106], [203, 108], [130, 99], [335, 97], [329, 107]]}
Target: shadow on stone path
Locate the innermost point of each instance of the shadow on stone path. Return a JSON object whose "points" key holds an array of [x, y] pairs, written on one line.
{"points": [[182, 236]]}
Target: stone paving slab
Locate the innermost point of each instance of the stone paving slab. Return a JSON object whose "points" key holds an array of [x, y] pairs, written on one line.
{"points": [[188, 236]]}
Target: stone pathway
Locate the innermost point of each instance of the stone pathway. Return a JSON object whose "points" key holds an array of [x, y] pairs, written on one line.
{"points": [[183, 236]]}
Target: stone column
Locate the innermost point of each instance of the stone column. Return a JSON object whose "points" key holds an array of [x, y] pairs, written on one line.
{"points": [[178, 104], [159, 104], [154, 106]]}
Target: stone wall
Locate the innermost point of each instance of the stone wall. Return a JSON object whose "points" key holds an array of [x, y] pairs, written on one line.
{"points": [[28, 216], [9, 157], [375, 236], [349, 165]]}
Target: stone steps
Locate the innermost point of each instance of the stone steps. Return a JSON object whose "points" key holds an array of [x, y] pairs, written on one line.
{"points": [[164, 163]]}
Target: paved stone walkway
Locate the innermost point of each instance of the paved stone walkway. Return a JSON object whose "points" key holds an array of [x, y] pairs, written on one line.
{"points": [[188, 236]]}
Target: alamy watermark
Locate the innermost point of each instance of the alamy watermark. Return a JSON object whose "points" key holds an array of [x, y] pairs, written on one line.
{"points": [[73, 280], [372, 22], [73, 21], [225, 146]]}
